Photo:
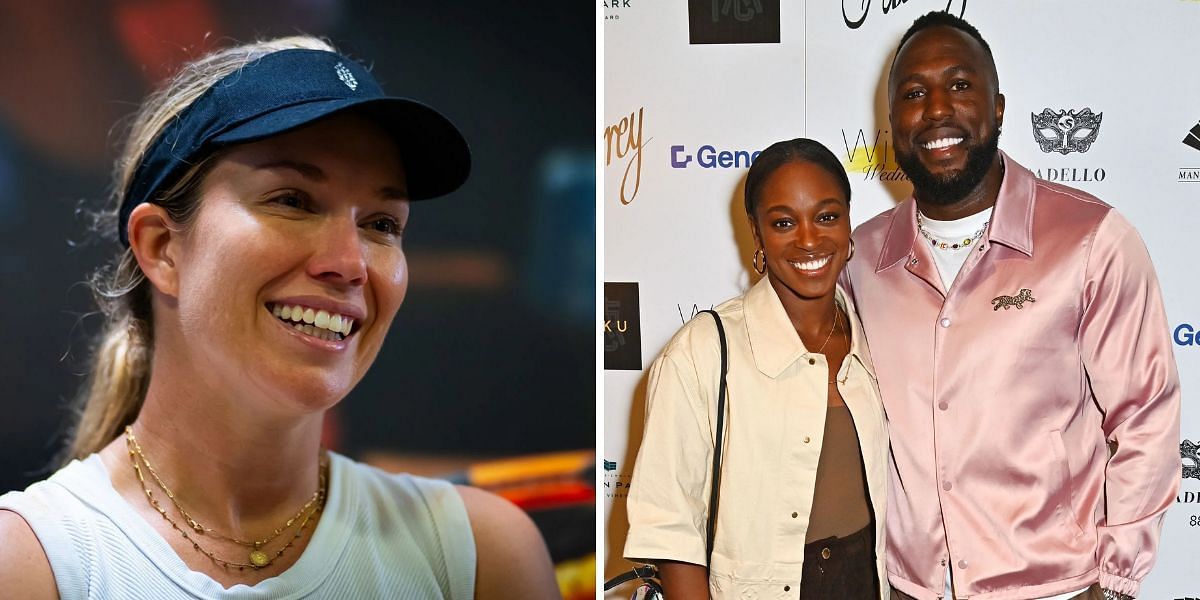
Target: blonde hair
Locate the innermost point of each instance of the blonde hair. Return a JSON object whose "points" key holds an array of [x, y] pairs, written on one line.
{"points": [[112, 395]]}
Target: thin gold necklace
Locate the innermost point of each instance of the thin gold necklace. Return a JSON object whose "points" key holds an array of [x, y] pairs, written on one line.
{"points": [[829, 335], [258, 558], [837, 323]]}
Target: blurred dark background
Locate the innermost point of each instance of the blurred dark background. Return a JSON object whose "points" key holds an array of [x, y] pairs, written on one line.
{"points": [[492, 353]]}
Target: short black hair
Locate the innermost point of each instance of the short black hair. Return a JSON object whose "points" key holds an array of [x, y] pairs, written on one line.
{"points": [[780, 153], [941, 18]]}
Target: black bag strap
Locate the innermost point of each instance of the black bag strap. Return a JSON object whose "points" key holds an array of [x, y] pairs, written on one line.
{"points": [[714, 493], [648, 573], [643, 572]]}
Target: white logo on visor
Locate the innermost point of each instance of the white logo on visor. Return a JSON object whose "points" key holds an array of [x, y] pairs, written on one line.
{"points": [[346, 76]]}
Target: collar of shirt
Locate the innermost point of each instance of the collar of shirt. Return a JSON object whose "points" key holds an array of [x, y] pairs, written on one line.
{"points": [[1012, 219], [773, 340]]}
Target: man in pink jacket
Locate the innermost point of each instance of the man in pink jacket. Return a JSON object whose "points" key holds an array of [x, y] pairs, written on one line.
{"points": [[1022, 350]]}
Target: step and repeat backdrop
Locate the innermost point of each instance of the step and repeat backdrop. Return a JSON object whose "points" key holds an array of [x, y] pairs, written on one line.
{"points": [[693, 90]]}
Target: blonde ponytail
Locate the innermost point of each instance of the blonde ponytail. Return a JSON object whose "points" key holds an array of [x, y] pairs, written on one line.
{"points": [[115, 387], [121, 360]]}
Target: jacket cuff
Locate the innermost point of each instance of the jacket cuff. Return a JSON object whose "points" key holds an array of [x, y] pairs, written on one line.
{"points": [[1117, 583]]}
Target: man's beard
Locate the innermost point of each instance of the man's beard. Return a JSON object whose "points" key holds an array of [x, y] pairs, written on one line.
{"points": [[949, 189]]}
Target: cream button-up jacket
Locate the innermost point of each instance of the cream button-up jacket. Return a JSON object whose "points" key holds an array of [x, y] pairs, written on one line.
{"points": [[776, 407]]}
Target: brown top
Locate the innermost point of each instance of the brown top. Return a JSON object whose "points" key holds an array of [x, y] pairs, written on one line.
{"points": [[839, 505]]}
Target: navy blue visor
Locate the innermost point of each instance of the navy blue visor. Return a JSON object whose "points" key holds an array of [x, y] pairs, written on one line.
{"points": [[288, 89]]}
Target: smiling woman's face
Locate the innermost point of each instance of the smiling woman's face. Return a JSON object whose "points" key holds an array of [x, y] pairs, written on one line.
{"points": [[292, 271], [802, 223]]}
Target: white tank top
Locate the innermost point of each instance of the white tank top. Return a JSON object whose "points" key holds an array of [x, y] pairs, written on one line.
{"points": [[380, 536]]}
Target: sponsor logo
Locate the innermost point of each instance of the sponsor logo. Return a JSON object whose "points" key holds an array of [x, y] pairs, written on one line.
{"points": [[613, 9], [616, 485], [858, 10], [1191, 140], [871, 155], [1072, 174], [1189, 454], [1189, 451], [733, 21], [346, 76], [622, 327], [710, 157], [686, 314], [623, 141], [1186, 335], [1066, 131]]}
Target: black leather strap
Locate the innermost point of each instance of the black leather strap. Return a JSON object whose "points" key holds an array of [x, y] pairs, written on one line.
{"points": [[648, 573], [642, 572], [714, 493]]}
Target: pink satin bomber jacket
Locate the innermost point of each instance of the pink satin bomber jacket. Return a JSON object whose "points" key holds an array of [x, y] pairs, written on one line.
{"points": [[1033, 407]]}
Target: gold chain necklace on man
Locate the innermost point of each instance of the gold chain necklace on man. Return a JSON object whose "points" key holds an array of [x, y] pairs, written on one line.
{"points": [[257, 557]]}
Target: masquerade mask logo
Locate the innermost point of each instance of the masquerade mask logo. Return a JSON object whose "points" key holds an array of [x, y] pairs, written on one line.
{"points": [[1190, 451], [1067, 130]]}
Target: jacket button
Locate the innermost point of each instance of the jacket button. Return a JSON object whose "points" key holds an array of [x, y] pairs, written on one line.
{"points": [[807, 439], [812, 361], [794, 515], [825, 553], [962, 564], [943, 405], [787, 588]]}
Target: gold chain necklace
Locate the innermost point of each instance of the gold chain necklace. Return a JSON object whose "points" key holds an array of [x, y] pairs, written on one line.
{"points": [[837, 323], [829, 335], [202, 530], [258, 558]]}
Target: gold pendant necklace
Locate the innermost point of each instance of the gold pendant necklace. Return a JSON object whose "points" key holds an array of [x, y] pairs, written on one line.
{"points": [[257, 557]]}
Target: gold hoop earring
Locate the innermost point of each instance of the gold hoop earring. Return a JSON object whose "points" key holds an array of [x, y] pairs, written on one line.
{"points": [[760, 266], [851, 254]]}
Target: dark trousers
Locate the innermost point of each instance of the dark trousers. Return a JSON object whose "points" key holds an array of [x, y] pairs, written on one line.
{"points": [[1092, 593], [842, 568]]}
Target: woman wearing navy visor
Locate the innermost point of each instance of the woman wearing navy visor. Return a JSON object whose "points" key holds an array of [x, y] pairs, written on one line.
{"points": [[261, 197]]}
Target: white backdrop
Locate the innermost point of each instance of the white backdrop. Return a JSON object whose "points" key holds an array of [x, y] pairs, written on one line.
{"points": [[676, 227]]}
